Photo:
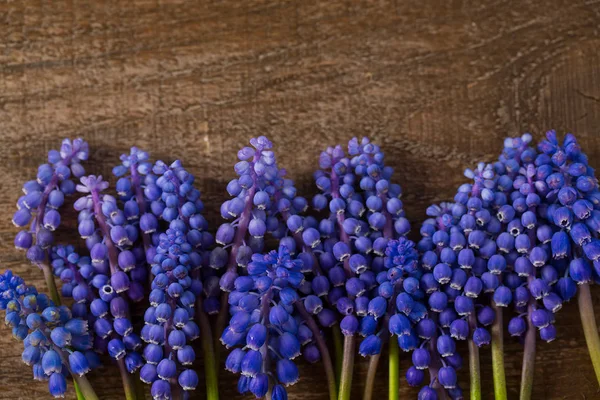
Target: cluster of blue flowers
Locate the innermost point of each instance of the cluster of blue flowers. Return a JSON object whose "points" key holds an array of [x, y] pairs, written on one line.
{"points": [[135, 175], [176, 287], [555, 197], [259, 194], [365, 214], [264, 330], [55, 342], [522, 233], [38, 207], [118, 272]]}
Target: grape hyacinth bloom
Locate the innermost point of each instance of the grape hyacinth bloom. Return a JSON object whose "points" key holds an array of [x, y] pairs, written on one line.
{"points": [[456, 250], [264, 332], [178, 296], [365, 212], [258, 194], [571, 209], [38, 207], [118, 274], [169, 327], [55, 343], [136, 182]]}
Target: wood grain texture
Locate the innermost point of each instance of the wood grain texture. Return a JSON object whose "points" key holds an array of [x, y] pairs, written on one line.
{"points": [[438, 84]]}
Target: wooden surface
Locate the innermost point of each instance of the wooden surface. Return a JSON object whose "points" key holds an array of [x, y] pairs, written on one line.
{"points": [[438, 84]]}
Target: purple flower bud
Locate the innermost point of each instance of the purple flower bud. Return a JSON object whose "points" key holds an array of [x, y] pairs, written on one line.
{"points": [[186, 355], [560, 245], [427, 393], [490, 282], [35, 254], [580, 270], [233, 363], [592, 250], [481, 337], [148, 373], [116, 349], [259, 385], [251, 363], [426, 328], [57, 385], [540, 318], [153, 353], [446, 346], [345, 306], [78, 363], [358, 263], [502, 297], [311, 237], [421, 358], [23, 240], [459, 329], [548, 333], [161, 389], [566, 288], [370, 346], [438, 301], [414, 376], [279, 393], [278, 315], [327, 318], [464, 305], [227, 281], [188, 379]]}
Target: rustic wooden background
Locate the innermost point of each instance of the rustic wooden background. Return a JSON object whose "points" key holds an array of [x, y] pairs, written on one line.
{"points": [[438, 84]]}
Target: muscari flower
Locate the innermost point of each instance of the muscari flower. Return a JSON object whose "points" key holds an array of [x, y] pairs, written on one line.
{"points": [[169, 327], [115, 271], [42, 197], [365, 212], [177, 285], [264, 325], [54, 341], [137, 181]]}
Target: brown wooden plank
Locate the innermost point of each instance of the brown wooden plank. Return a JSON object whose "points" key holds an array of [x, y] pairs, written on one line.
{"points": [[437, 83]]}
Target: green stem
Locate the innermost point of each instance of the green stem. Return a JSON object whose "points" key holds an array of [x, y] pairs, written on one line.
{"points": [[338, 348], [528, 354], [140, 389], [394, 369], [371, 373], [50, 283], [210, 367], [498, 355], [590, 329], [220, 325], [83, 388], [347, 368], [474, 362], [128, 387], [78, 393]]}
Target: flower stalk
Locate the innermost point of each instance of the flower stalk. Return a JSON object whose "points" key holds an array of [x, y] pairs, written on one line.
{"points": [[498, 355], [347, 367], [51, 283], [128, 386], [338, 348], [326, 358], [474, 369], [371, 374], [394, 369], [528, 356], [590, 328], [83, 388], [210, 367]]}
